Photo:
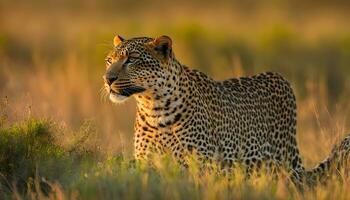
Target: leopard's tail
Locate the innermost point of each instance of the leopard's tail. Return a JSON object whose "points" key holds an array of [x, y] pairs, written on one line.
{"points": [[332, 165]]}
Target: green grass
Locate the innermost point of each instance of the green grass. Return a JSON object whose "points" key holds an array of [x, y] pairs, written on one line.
{"points": [[35, 164], [30, 150]]}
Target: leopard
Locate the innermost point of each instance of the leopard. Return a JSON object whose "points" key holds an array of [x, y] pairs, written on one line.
{"points": [[181, 111]]}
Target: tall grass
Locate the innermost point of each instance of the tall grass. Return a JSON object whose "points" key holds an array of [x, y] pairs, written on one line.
{"points": [[36, 164]]}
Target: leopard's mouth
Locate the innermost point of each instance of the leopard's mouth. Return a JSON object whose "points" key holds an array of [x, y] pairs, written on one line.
{"points": [[121, 94], [128, 91], [116, 97]]}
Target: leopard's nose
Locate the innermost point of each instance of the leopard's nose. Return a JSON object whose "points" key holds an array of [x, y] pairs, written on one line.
{"points": [[109, 79]]}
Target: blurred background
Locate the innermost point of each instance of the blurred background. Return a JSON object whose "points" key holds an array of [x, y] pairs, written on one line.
{"points": [[52, 58]]}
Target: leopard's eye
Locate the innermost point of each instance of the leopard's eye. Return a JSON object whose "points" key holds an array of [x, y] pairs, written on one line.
{"points": [[131, 60]]}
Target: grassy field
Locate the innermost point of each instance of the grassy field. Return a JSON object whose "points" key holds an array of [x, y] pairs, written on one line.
{"points": [[56, 132], [37, 164]]}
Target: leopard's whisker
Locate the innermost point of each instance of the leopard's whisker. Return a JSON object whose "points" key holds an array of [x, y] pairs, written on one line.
{"points": [[102, 93], [115, 87], [121, 84]]}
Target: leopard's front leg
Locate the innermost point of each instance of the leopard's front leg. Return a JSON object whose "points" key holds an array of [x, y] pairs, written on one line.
{"points": [[144, 140]]}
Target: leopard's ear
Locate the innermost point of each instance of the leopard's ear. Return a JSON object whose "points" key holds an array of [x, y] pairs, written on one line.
{"points": [[163, 46], [117, 40]]}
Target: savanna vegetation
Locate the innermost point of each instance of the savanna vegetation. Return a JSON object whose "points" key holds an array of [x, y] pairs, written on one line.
{"points": [[60, 139]]}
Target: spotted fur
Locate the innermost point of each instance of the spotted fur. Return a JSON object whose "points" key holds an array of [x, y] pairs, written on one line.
{"points": [[247, 120]]}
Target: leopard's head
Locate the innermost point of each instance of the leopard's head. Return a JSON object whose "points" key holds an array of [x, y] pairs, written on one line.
{"points": [[138, 65]]}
